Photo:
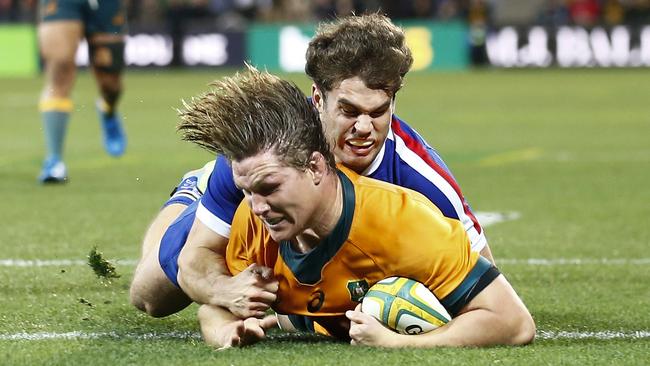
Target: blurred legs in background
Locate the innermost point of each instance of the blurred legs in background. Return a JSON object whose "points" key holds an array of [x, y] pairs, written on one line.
{"points": [[63, 24]]}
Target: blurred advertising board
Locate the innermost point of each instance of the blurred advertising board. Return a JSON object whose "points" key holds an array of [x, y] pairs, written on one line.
{"points": [[434, 45], [569, 46], [194, 48], [281, 47]]}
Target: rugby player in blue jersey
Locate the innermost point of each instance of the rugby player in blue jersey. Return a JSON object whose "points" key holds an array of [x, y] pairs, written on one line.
{"points": [[357, 65], [63, 24]]}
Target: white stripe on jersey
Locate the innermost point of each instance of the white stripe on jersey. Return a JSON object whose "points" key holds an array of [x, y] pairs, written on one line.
{"points": [[212, 221], [477, 239], [376, 162]]}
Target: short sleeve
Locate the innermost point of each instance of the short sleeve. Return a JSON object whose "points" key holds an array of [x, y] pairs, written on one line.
{"points": [[221, 199]]}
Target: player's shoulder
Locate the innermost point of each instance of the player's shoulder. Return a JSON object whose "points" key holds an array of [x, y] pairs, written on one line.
{"points": [[382, 198], [390, 219]]}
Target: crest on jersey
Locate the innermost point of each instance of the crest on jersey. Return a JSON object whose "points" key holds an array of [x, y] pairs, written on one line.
{"points": [[357, 289]]}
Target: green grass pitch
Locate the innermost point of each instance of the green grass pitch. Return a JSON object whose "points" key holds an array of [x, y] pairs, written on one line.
{"points": [[567, 151]]}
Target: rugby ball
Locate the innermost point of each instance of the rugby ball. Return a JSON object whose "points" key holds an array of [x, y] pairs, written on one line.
{"points": [[404, 305]]}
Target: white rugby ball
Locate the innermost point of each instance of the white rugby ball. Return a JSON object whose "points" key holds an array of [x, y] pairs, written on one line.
{"points": [[404, 305]]}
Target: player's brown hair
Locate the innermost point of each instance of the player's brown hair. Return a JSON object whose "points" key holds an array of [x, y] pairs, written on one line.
{"points": [[368, 46], [253, 112]]}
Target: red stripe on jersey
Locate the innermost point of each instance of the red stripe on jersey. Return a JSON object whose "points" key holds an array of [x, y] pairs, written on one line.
{"points": [[420, 151]]}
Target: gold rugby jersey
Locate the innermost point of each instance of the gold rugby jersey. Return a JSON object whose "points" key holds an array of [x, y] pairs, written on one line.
{"points": [[384, 230]]}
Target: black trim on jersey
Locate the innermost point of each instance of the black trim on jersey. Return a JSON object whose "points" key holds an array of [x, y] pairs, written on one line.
{"points": [[306, 267], [483, 273]]}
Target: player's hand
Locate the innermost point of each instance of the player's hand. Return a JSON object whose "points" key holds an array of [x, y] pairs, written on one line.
{"points": [[250, 293], [249, 331], [242, 333], [368, 331]]}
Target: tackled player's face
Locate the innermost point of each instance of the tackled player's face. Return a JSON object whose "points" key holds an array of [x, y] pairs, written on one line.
{"points": [[356, 121], [283, 197]]}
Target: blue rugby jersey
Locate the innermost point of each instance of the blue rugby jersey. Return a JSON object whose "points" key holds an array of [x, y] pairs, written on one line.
{"points": [[405, 160]]}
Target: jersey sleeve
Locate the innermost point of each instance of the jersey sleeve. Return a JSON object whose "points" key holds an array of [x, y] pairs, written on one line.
{"points": [[220, 201]]}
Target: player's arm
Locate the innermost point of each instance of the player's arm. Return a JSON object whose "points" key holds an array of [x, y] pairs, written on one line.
{"points": [[203, 274], [484, 306], [495, 316], [202, 267]]}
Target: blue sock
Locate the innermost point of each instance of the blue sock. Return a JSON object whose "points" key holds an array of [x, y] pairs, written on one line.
{"points": [[55, 125]]}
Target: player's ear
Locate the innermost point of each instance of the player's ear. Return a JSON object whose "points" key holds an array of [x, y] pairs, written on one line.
{"points": [[317, 97], [317, 167]]}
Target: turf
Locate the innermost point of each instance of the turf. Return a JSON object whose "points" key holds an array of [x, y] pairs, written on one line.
{"points": [[569, 151]]}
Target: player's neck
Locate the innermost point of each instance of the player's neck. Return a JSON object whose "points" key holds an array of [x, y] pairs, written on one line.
{"points": [[326, 216]]}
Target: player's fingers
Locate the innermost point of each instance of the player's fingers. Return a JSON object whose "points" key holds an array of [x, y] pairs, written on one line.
{"points": [[252, 326], [358, 308], [253, 330], [269, 322], [265, 272], [235, 338], [354, 316], [353, 342], [260, 270], [248, 312], [252, 268], [254, 314], [265, 297], [272, 286]]}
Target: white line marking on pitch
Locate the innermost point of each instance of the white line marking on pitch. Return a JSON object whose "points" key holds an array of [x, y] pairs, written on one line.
{"points": [[81, 335], [606, 334], [542, 334], [512, 261], [488, 218], [574, 261]]}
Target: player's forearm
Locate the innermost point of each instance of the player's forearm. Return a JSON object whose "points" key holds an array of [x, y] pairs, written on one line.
{"points": [[496, 316], [200, 273], [474, 329]]}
